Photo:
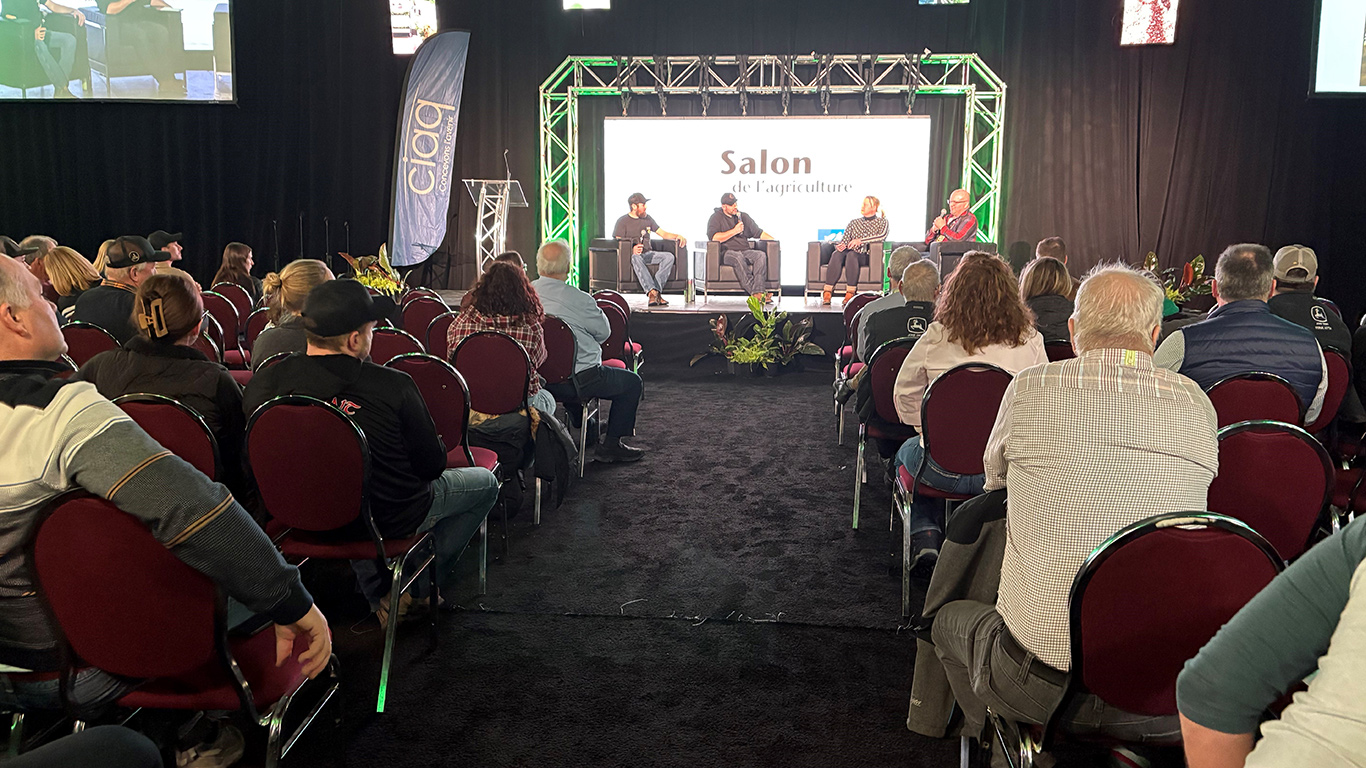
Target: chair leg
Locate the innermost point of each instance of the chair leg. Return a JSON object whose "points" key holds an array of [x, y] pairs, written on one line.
{"points": [[484, 556], [390, 632], [905, 568], [433, 594], [536, 510], [505, 530], [840, 440], [858, 476], [274, 727], [78, 726], [583, 438], [16, 733]]}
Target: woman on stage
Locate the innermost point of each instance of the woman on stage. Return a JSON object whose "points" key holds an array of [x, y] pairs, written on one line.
{"points": [[851, 252]]}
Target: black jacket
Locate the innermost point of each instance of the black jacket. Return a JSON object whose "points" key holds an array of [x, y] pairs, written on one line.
{"points": [[1305, 310], [406, 453], [110, 306], [1050, 316]]}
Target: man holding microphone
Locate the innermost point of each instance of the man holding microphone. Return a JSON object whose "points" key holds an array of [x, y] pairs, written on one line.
{"points": [[957, 223], [639, 226], [733, 230]]}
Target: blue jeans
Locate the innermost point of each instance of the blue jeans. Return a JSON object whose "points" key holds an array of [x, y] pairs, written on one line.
{"points": [[92, 690], [927, 514], [58, 67], [542, 401], [461, 500], [751, 269], [640, 264]]}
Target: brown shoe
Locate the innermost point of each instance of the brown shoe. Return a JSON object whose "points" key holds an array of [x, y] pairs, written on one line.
{"points": [[849, 293], [826, 295], [654, 299]]}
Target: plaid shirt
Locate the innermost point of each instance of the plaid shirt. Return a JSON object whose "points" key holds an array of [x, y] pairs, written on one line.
{"points": [[1086, 447], [527, 332]]}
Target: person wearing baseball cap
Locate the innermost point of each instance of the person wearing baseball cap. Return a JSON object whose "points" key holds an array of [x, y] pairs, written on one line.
{"points": [[640, 229], [734, 230], [411, 490], [167, 241], [1296, 270], [131, 260], [12, 249]]}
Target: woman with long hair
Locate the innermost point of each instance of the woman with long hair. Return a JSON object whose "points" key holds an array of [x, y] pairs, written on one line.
{"points": [[851, 253], [1046, 287], [285, 293], [980, 318], [70, 275], [236, 269], [504, 301], [102, 257]]}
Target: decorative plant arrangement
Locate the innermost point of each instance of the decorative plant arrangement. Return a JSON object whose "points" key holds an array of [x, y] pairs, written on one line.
{"points": [[1181, 283], [772, 344], [376, 272]]}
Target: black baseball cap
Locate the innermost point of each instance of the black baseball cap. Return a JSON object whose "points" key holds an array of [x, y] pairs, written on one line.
{"points": [[637, 199], [338, 307], [131, 250], [11, 248], [728, 199], [161, 238]]}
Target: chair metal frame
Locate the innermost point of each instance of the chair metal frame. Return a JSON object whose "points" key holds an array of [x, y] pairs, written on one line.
{"points": [[248, 337], [395, 332], [440, 343], [83, 326], [851, 327], [272, 360], [419, 298], [147, 398], [860, 467], [235, 289], [228, 341], [208, 330], [1327, 415]]}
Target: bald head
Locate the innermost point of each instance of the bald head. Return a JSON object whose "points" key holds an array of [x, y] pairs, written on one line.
{"points": [[1117, 307], [959, 201]]}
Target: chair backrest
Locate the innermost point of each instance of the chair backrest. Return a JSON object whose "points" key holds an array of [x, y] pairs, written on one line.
{"points": [[70, 364], [438, 334], [1059, 350], [389, 343], [1339, 379], [607, 294], [177, 427], [419, 313], [1331, 305], [99, 567], [852, 307], [85, 340], [883, 368], [852, 331], [272, 360], [445, 393], [560, 350], [614, 348], [496, 369], [1276, 478], [1255, 396], [311, 463], [237, 295], [1151, 596], [210, 340], [225, 312], [256, 323], [417, 293], [958, 413]]}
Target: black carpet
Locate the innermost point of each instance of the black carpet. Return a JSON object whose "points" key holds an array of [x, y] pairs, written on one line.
{"points": [[709, 605]]}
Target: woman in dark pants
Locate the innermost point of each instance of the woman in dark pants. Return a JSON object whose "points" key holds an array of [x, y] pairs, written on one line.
{"points": [[851, 252]]}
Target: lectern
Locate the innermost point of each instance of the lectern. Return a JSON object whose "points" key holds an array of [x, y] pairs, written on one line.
{"points": [[492, 199]]}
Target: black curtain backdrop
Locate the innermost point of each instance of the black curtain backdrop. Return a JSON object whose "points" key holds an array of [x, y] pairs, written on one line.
{"points": [[1179, 150]]}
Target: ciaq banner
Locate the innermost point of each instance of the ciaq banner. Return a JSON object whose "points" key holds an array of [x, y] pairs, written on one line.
{"points": [[425, 152]]}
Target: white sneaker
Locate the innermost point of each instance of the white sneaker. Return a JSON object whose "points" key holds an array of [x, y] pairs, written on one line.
{"points": [[225, 750]]}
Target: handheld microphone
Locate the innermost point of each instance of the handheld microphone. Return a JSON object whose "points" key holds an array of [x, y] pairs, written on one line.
{"points": [[943, 212]]}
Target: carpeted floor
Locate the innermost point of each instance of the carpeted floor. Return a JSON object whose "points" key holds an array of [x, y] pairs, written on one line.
{"points": [[707, 606]]}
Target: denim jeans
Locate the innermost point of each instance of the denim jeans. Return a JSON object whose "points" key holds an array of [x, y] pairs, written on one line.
{"points": [[751, 269], [542, 401], [461, 500], [57, 67], [92, 690], [640, 264], [108, 746], [927, 514]]}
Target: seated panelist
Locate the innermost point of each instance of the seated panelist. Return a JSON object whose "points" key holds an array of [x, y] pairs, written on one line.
{"points": [[956, 223]]}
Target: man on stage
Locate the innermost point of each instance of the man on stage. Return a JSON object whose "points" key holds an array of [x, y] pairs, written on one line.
{"points": [[733, 230], [959, 224], [639, 226]]}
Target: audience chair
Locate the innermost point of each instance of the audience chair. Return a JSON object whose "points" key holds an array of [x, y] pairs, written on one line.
{"points": [[1135, 620], [438, 334], [607, 294], [70, 364], [1276, 478], [229, 321], [239, 297], [272, 360], [210, 340], [1255, 396], [498, 372], [312, 468], [635, 359], [125, 604], [256, 323], [389, 343], [1059, 350], [558, 367], [956, 417], [415, 292], [85, 340], [419, 313], [886, 424], [846, 360], [616, 350], [178, 428], [1339, 380]]}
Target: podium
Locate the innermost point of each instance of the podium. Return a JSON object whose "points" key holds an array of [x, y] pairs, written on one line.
{"points": [[492, 199]]}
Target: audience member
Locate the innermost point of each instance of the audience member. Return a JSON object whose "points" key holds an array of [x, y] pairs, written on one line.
{"points": [[1046, 288], [60, 436], [1051, 248], [504, 301], [1241, 335], [285, 294], [580, 312], [411, 490], [102, 257], [70, 275], [980, 319], [1310, 619], [42, 245], [896, 265], [1066, 436], [8, 247], [104, 746], [110, 304], [166, 241], [510, 257], [236, 269]]}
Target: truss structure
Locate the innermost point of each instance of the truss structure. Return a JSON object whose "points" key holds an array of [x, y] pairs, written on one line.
{"points": [[740, 77]]}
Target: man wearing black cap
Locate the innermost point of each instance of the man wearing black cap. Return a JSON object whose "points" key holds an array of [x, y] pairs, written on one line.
{"points": [[110, 304], [639, 227], [411, 490], [10, 248], [165, 241], [734, 229]]}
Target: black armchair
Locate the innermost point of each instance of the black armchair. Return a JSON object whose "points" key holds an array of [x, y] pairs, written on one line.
{"points": [[19, 66], [113, 55], [609, 266], [719, 277], [869, 275]]}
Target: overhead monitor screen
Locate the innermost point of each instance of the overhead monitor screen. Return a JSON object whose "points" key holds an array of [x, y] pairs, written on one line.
{"points": [[117, 50], [1149, 22], [1340, 61], [802, 179], [411, 22]]}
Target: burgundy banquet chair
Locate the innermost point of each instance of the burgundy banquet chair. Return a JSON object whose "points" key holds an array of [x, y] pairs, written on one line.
{"points": [[210, 339], [851, 368], [498, 372], [237, 295], [885, 424], [558, 368], [389, 343], [256, 323], [85, 340], [607, 294], [438, 334], [230, 323], [1255, 396], [177, 427], [1339, 379], [616, 350], [419, 313]]}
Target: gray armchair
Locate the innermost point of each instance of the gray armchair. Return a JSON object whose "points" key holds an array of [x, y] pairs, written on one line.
{"points": [[719, 277], [609, 266], [112, 56], [869, 275]]}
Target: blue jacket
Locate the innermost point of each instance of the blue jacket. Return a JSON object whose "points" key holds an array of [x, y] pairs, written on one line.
{"points": [[1244, 336]]}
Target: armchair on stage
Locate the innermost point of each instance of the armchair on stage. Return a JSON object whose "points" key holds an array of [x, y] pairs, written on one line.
{"points": [[112, 56], [869, 275], [609, 266], [19, 67], [717, 276]]}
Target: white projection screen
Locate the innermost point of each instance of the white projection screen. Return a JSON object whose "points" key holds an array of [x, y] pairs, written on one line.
{"points": [[799, 177], [1340, 58]]}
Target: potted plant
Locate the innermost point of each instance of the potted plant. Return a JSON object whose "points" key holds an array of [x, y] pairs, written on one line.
{"points": [[376, 272], [771, 346]]}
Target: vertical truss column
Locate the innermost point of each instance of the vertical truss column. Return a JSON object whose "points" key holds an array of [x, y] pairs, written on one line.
{"points": [[559, 166]]}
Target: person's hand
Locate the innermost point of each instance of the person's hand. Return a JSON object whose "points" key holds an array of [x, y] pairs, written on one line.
{"points": [[314, 626], [80, 18], [638, 249], [840, 246], [856, 242], [940, 222], [40, 33], [682, 242]]}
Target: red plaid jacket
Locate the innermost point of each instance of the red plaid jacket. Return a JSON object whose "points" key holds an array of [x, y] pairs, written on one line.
{"points": [[527, 332]]}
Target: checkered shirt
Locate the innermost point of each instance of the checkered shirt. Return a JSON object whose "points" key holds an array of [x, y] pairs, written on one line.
{"points": [[526, 331], [1086, 447], [866, 228]]}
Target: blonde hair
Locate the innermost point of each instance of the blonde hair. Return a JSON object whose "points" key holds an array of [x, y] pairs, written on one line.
{"points": [[1045, 276], [287, 289], [102, 257], [68, 271], [878, 205]]}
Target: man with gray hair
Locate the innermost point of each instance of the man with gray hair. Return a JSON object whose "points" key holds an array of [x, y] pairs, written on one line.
{"points": [[1241, 335], [1067, 435], [591, 378], [896, 265]]}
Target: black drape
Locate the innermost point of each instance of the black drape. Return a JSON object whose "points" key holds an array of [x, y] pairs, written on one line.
{"points": [[1179, 149]]}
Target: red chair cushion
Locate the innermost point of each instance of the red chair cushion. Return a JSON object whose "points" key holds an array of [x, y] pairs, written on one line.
{"points": [[614, 364], [298, 543], [234, 358], [243, 378], [210, 687], [846, 351], [851, 370], [483, 457], [905, 480], [634, 347]]}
